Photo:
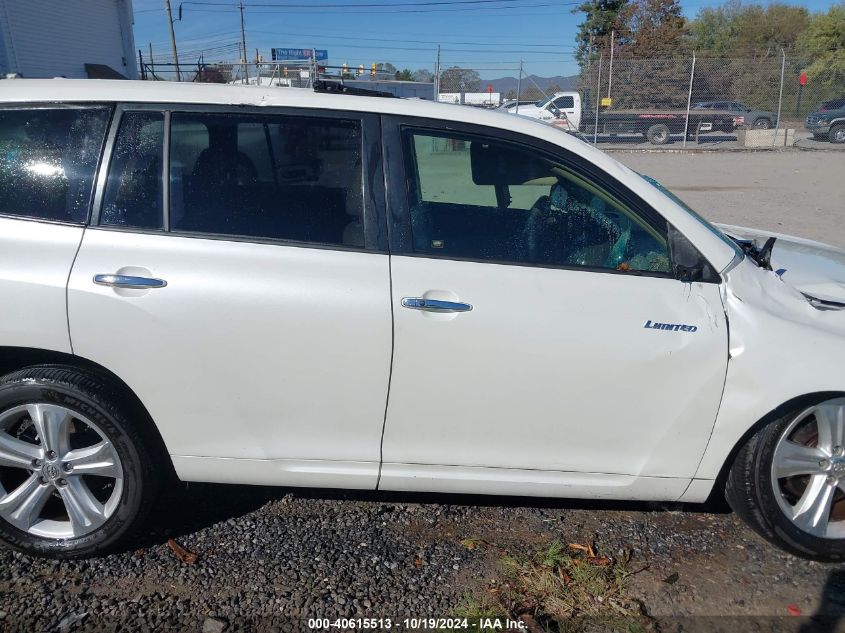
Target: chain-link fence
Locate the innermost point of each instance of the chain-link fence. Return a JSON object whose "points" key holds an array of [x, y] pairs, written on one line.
{"points": [[682, 97]]}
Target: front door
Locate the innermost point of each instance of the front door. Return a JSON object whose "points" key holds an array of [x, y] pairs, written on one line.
{"points": [[527, 300], [244, 298]]}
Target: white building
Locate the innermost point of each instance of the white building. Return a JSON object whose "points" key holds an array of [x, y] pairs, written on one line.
{"points": [[67, 38]]}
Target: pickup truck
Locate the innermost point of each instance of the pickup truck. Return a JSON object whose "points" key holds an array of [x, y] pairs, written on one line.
{"points": [[828, 121], [656, 125]]}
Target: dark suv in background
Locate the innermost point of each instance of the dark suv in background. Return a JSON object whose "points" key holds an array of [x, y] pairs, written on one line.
{"points": [[828, 121]]}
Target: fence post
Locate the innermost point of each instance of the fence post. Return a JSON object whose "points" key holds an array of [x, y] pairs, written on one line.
{"points": [[610, 68], [780, 98], [141, 64], [598, 101], [689, 99], [518, 87]]}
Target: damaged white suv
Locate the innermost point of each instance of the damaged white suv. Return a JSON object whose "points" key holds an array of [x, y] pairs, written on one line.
{"points": [[286, 287]]}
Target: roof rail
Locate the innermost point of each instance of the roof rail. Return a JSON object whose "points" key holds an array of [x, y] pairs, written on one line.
{"points": [[339, 88]]}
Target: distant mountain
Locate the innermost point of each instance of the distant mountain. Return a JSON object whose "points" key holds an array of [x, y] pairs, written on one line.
{"points": [[506, 84]]}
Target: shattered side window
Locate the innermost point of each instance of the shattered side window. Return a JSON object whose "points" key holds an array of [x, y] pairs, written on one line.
{"points": [[48, 157]]}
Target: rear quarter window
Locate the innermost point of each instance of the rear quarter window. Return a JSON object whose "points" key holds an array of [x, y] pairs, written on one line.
{"points": [[48, 157]]}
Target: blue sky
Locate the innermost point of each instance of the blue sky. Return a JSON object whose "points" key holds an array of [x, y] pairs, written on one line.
{"points": [[489, 35]]}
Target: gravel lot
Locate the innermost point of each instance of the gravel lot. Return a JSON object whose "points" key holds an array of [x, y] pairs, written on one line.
{"points": [[270, 558]]}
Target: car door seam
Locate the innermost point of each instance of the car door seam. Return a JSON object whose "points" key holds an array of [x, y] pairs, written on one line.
{"points": [[67, 288], [390, 371]]}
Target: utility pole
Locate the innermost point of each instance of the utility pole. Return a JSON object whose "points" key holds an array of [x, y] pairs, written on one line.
{"points": [[610, 71], [518, 87], [173, 40], [243, 41], [437, 74]]}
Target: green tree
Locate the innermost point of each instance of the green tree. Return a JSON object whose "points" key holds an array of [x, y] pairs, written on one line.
{"points": [[404, 75], [822, 45], [601, 17]]}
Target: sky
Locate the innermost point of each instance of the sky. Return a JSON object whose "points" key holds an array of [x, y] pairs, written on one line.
{"points": [[491, 36]]}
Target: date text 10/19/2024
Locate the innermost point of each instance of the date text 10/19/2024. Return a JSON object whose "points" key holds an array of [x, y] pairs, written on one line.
{"points": [[415, 624]]}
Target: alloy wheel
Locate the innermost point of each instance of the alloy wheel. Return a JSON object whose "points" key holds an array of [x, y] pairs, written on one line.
{"points": [[808, 470], [60, 476]]}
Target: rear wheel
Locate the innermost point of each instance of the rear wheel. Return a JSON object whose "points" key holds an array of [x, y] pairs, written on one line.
{"points": [[658, 134], [837, 133], [762, 124], [788, 481], [75, 475]]}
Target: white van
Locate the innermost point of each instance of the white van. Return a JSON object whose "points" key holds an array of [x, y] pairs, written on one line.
{"points": [[555, 106]]}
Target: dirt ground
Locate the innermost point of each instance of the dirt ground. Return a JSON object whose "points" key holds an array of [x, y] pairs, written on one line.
{"points": [[794, 192]]}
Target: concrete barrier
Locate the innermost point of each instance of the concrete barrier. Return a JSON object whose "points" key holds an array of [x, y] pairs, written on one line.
{"points": [[766, 138]]}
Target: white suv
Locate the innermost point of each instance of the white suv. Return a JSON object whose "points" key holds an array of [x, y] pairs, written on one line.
{"points": [[270, 286]]}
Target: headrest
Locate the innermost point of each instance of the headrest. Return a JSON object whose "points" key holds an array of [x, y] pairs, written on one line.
{"points": [[558, 197]]}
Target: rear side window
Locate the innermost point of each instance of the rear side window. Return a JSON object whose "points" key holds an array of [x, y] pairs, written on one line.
{"points": [[133, 195], [282, 177], [567, 102], [47, 161]]}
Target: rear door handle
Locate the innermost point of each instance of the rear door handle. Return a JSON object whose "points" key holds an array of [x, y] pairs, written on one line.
{"points": [[128, 281], [434, 305]]}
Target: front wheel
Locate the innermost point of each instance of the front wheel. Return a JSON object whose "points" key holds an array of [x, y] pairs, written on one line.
{"points": [[837, 133], [75, 475], [788, 481]]}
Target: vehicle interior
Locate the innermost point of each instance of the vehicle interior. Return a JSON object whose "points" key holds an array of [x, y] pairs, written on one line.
{"points": [[477, 200], [293, 178]]}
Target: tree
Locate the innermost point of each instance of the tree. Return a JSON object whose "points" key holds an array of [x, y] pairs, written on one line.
{"points": [[822, 45], [601, 18], [652, 28], [423, 75], [456, 79], [404, 75]]}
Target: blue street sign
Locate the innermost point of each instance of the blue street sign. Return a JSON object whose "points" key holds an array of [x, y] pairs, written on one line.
{"points": [[299, 54]]}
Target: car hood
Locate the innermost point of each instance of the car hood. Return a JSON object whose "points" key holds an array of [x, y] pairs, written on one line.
{"points": [[813, 268]]}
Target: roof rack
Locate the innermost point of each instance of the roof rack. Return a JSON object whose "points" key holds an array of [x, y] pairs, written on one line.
{"points": [[338, 87]]}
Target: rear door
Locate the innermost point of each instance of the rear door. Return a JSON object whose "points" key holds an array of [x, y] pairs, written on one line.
{"points": [[235, 277], [48, 158]]}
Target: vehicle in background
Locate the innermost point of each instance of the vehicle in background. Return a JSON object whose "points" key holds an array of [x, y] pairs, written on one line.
{"points": [[745, 115], [828, 121], [510, 104], [554, 107], [657, 126]]}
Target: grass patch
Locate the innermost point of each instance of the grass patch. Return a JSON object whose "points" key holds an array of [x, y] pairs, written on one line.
{"points": [[562, 589]]}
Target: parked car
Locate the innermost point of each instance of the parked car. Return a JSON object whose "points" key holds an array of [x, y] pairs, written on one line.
{"points": [[828, 121], [746, 115], [511, 104], [197, 284]]}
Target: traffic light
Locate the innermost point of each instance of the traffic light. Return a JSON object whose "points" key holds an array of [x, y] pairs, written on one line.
{"points": [[360, 70], [373, 70]]}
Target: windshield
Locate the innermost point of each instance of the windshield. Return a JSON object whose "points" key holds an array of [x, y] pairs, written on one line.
{"points": [[727, 240], [542, 102]]}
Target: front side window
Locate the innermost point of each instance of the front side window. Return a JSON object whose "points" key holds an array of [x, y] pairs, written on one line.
{"points": [[47, 161], [133, 195], [282, 177], [566, 102], [480, 199]]}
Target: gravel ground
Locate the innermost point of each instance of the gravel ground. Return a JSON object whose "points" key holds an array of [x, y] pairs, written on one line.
{"points": [[270, 558]]}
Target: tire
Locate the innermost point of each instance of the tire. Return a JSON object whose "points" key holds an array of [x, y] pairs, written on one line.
{"points": [[83, 418], [763, 500], [762, 124], [658, 134], [837, 133]]}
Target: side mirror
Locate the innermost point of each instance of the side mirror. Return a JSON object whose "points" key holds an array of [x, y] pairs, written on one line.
{"points": [[687, 263]]}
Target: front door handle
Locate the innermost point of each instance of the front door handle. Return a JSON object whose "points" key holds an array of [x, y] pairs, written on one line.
{"points": [[129, 281], [434, 305]]}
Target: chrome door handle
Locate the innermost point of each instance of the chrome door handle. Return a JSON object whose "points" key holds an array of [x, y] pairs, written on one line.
{"points": [[434, 305], [128, 281]]}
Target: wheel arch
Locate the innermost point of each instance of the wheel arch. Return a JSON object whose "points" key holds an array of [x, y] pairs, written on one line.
{"points": [[793, 404], [16, 358]]}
